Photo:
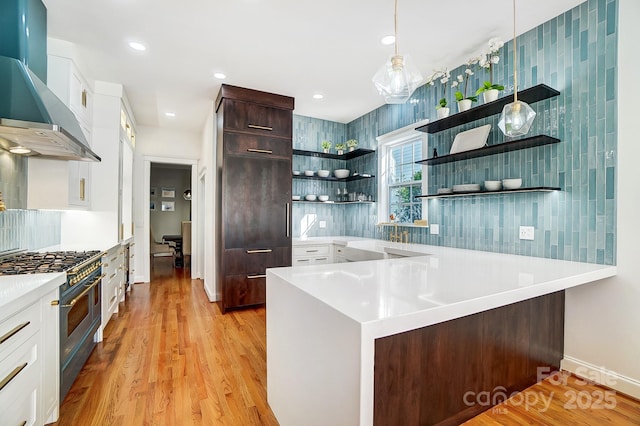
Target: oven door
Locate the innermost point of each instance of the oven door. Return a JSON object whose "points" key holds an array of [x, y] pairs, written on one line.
{"points": [[77, 317]]}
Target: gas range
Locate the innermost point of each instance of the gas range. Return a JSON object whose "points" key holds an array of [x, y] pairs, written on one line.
{"points": [[54, 261]]}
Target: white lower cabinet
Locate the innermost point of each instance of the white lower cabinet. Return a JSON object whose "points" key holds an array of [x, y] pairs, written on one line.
{"points": [[311, 255], [112, 283], [29, 392], [338, 254]]}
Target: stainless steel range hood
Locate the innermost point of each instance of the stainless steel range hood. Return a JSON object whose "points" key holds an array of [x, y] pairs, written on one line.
{"points": [[31, 116]]}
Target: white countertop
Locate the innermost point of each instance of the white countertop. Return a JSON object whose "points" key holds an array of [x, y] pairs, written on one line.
{"points": [[390, 296], [18, 291]]}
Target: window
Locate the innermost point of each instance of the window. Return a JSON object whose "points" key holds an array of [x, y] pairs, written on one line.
{"points": [[404, 181], [400, 178]]}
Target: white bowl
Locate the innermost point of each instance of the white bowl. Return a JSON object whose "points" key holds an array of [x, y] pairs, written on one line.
{"points": [[323, 173], [492, 185], [323, 197], [295, 197], [296, 172], [309, 172], [512, 183], [341, 173], [310, 197]]}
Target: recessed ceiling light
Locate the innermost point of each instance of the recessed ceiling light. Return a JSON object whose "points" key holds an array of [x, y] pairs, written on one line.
{"points": [[135, 45], [387, 40], [220, 75], [170, 114], [318, 96], [19, 150]]}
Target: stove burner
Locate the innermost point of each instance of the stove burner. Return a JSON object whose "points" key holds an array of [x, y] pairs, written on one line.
{"points": [[37, 263]]}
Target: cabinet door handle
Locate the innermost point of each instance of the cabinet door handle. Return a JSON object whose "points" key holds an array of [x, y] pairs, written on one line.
{"points": [[82, 188], [288, 219], [13, 332], [12, 375], [260, 151], [259, 251], [84, 98], [312, 251], [255, 126], [253, 277]]}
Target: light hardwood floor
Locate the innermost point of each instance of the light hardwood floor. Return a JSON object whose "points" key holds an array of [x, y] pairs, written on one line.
{"points": [[169, 357]]}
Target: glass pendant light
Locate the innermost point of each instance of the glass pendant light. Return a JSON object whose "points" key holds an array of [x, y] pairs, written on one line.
{"points": [[517, 117], [397, 79]]}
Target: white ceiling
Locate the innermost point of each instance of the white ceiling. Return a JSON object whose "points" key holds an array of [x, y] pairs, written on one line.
{"points": [[294, 47]]}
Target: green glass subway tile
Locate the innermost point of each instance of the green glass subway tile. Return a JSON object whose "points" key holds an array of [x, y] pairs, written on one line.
{"points": [[611, 17], [610, 183]]}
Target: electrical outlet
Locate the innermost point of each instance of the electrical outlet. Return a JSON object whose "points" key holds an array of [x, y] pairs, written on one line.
{"points": [[434, 229], [526, 233], [323, 224]]}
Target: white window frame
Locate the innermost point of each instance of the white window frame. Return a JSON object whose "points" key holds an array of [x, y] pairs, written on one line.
{"points": [[385, 143]]}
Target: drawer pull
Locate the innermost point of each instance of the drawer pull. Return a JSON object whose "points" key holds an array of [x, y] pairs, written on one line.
{"points": [[112, 275], [312, 251], [321, 258], [12, 375], [255, 126], [106, 265], [253, 277], [259, 251], [13, 332], [303, 260], [260, 151], [24, 423]]}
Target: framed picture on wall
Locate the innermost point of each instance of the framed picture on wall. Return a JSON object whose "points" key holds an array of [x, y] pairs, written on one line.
{"points": [[152, 205], [153, 192], [168, 206], [168, 193]]}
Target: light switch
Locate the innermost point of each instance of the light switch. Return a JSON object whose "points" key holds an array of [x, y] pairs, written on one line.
{"points": [[434, 229], [323, 224]]}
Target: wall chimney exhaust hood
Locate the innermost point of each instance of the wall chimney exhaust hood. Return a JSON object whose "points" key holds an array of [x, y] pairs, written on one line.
{"points": [[31, 116]]}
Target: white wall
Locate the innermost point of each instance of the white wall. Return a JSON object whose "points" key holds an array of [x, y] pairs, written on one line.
{"points": [[602, 327], [206, 233]]}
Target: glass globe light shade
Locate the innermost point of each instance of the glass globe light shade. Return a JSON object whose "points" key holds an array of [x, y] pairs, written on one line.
{"points": [[516, 119], [397, 79]]}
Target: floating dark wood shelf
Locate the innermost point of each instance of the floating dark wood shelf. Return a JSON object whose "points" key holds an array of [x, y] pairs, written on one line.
{"points": [[504, 191], [334, 202], [334, 179], [518, 144], [346, 156], [530, 95]]}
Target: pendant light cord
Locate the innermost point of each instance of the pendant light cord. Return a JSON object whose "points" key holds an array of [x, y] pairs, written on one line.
{"points": [[395, 26], [515, 57]]}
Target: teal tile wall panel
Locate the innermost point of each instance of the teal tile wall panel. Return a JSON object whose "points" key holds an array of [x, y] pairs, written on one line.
{"points": [[29, 229], [575, 53]]}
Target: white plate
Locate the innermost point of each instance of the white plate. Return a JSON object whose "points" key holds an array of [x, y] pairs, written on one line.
{"points": [[469, 187], [470, 139]]}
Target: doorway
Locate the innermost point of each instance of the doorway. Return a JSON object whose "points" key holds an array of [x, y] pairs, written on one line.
{"points": [[171, 194]]}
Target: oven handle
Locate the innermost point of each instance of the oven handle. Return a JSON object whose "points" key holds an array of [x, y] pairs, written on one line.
{"points": [[78, 297]]}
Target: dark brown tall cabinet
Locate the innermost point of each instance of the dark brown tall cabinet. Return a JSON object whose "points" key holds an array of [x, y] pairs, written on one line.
{"points": [[253, 225]]}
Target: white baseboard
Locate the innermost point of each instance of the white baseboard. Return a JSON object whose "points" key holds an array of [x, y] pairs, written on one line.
{"points": [[211, 297], [602, 376]]}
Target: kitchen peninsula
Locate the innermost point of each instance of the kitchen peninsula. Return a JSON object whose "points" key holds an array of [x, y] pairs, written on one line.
{"points": [[401, 341]]}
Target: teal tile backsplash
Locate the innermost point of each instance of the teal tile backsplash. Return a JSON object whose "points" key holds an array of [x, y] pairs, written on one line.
{"points": [[575, 53], [29, 229]]}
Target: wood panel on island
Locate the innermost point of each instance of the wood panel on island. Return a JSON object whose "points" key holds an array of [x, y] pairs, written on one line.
{"points": [[254, 145], [531, 95]]}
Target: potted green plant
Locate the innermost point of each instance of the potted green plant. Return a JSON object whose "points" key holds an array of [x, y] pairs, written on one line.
{"points": [[326, 146], [464, 101], [487, 60], [340, 148], [352, 143], [442, 110]]}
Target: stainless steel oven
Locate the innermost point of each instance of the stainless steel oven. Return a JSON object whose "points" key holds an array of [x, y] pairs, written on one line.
{"points": [[80, 315]]}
